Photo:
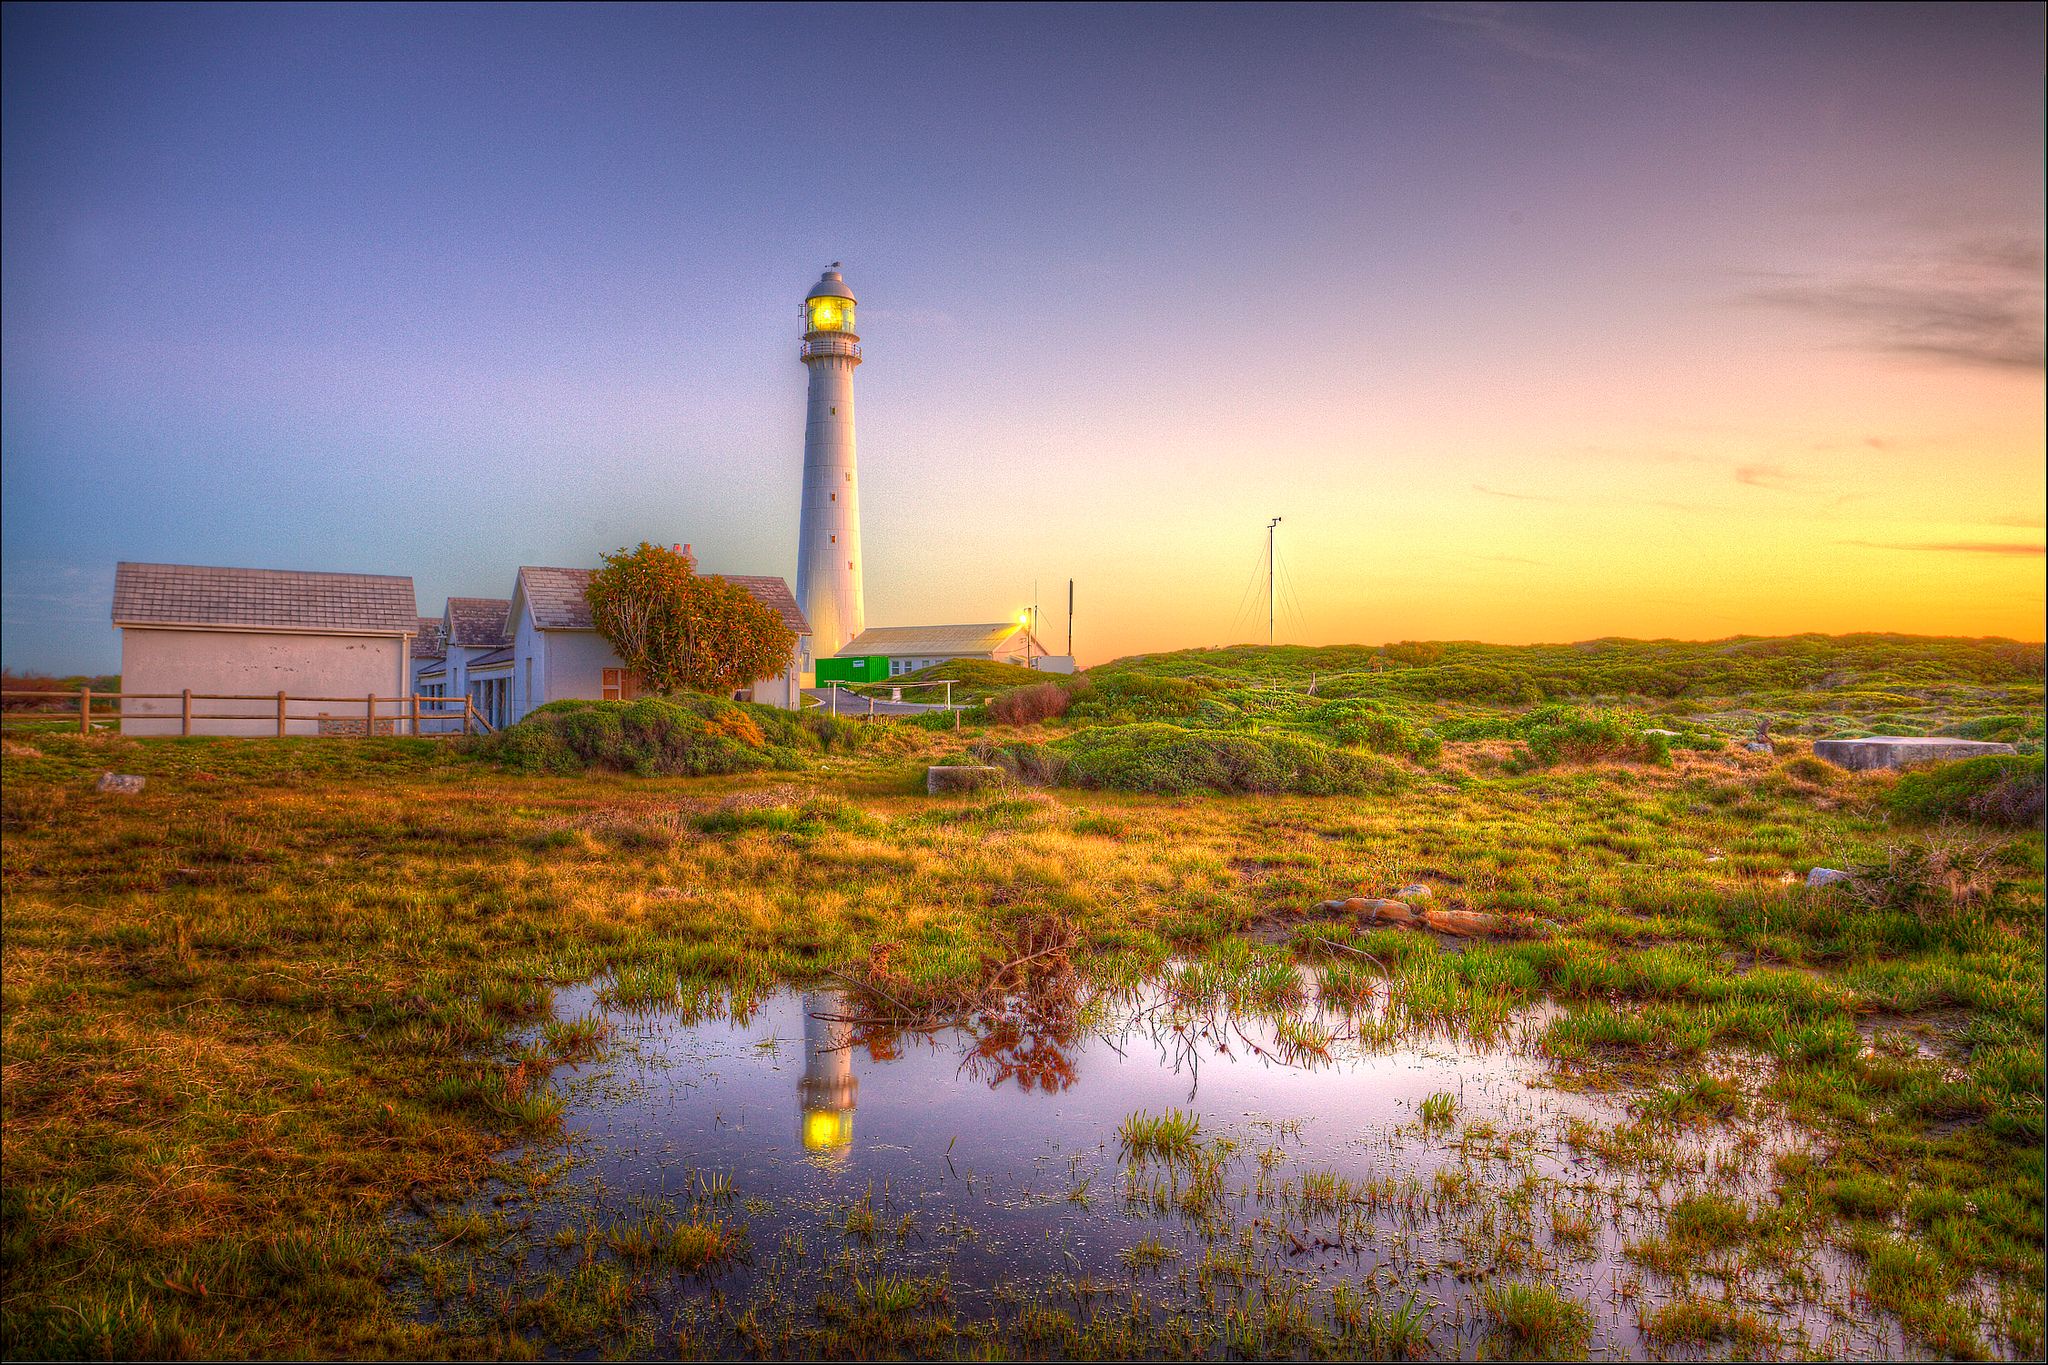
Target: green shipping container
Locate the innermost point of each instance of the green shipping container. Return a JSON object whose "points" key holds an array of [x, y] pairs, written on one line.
{"points": [[855, 668]]}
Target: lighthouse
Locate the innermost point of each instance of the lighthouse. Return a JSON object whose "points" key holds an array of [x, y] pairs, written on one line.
{"points": [[828, 563]]}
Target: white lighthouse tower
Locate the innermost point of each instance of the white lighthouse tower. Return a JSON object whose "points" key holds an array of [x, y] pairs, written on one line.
{"points": [[828, 563]]}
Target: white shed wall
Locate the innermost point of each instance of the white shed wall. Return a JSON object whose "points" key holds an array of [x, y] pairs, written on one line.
{"points": [[263, 663]]}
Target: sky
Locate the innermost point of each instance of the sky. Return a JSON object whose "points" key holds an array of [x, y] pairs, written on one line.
{"points": [[1531, 323]]}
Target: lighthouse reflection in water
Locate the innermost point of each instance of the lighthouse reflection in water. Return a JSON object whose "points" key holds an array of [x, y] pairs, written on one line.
{"points": [[826, 1092]]}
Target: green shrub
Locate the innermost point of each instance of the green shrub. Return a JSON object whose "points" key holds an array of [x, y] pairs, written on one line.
{"points": [[1170, 759], [1998, 789], [687, 734], [1571, 734], [1122, 698], [1371, 726]]}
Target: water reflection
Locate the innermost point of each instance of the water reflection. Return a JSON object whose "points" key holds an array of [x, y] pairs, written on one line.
{"points": [[827, 1093], [990, 1162]]}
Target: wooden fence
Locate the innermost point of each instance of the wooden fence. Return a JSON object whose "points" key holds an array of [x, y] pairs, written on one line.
{"points": [[365, 718]]}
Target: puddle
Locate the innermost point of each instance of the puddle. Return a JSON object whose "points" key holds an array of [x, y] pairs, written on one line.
{"points": [[971, 1187]]}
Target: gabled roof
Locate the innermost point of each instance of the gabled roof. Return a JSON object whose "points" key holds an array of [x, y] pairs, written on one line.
{"points": [[491, 660], [555, 597], [954, 641], [479, 622], [770, 591], [263, 599], [431, 642]]}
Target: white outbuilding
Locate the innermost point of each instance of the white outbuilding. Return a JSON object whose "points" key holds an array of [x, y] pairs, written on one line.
{"points": [[555, 651], [912, 647], [328, 642]]}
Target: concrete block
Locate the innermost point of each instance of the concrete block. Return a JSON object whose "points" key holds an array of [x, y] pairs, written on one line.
{"points": [[960, 778], [1901, 751]]}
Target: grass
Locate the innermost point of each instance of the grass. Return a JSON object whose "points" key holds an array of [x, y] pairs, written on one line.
{"points": [[1536, 1322], [1171, 1136], [285, 990]]}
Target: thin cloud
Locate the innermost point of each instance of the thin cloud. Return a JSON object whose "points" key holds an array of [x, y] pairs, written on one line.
{"points": [[2023, 519], [1977, 304], [1957, 547], [1508, 29], [1762, 476]]}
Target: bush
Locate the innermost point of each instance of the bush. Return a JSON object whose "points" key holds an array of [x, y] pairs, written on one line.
{"points": [[1122, 698], [1030, 705], [1999, 789], [1169, 759], [1371, 726], [685, 735], [1570, 734]]}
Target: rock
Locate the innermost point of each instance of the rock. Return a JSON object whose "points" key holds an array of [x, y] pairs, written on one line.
{"points": [[1758, 746], [119, 784], [1825, 876], [1382, 911], [1668, 734], [1414, 891], [960, 778], [1462, 923], [1901, 751]]}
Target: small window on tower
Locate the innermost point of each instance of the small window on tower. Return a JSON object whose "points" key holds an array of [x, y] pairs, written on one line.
{"points": [[835, 412], [835, 497], [849, 563], [835, 540]]}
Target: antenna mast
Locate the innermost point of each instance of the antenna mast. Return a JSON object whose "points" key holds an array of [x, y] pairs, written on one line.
{"points": [[1269, 578]]}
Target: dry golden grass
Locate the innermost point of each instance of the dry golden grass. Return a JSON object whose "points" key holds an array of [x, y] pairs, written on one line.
{"points": [[254, 1008]]}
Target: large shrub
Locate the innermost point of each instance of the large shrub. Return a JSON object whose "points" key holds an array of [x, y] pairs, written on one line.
{"points": [[1121, 698], [678, 629], [688, 735], [1999, 789], [1154, 757], [1572, 734], [1372, 726]]}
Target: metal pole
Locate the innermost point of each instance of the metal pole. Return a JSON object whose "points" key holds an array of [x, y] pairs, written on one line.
{"points": [[1269, 579], [1070, 618]]}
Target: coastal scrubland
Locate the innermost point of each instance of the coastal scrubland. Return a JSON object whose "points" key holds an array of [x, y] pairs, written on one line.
{"points": [[296, 992]]}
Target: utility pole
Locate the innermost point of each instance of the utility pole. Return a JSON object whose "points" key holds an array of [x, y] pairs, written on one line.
{"points": [[1070, 618], [1269, 579]]}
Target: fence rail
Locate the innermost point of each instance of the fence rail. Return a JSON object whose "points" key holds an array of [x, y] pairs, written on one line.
{"points": [[410, 709]]}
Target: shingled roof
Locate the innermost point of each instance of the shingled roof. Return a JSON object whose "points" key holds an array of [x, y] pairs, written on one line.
{"points": [[431, 642], [263, 599], [479, 622], [556, 597], [934, 641]]}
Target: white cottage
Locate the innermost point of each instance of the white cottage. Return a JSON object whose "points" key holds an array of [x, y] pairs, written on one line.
{"points": [[327, 641], [556, 652], [476, 662]]}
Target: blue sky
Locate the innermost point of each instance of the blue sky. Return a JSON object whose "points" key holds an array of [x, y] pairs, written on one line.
{"points": [[1540, 322]]}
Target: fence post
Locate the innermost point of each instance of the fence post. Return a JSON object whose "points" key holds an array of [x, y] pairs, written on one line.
{"points": [[370, 716], [415, 699], [467, 708], [280, 715], [185, 719], [85, 710]]}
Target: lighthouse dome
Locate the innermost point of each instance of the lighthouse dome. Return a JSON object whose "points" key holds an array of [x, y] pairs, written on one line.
{"points": [[831, 286]]}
